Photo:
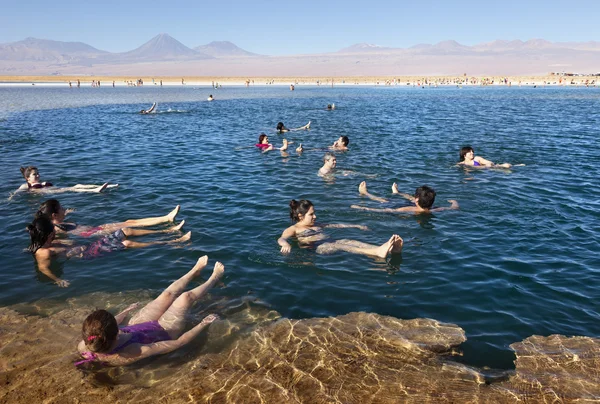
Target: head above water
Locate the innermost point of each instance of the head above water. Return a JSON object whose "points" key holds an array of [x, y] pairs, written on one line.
{"points": [[328, 157], [99, 331], [49, 208], [298, 208], [464, 151], [280, 126], [27, 171], [344, 140], [40, 230], [425, 197], [262, 137]]}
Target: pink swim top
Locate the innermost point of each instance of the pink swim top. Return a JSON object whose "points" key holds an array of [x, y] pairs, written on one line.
{"points": [[91, 232], [262, 145]]}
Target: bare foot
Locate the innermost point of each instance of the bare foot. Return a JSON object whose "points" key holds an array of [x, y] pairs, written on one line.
{"points": [[362, 188], [308, 125], [398, 244], [386, 248], [178, 227], [171, 216], [101, 187], [202, 261], [218, 271], [186, 237], [112, 186], [395, 188]]}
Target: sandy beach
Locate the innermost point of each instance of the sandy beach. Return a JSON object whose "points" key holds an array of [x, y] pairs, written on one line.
{"points": [[554, 80]]}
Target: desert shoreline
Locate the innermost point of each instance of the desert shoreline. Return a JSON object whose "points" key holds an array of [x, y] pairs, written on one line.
{"points": [[212, 81]]}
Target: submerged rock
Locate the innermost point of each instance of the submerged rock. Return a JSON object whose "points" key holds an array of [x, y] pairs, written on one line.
{"points": [[255, 356]]}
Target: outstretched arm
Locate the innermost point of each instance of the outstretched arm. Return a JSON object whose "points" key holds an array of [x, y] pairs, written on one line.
{"points": [[453, 206], [282, 241], [43, 259], [483, 161]]}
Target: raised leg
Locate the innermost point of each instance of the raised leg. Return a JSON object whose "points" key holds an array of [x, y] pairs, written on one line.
{"points": [[362, 189], [135, 244], [156, 308], [131, 232], [173, 320], [393, 245], [151, 221]]}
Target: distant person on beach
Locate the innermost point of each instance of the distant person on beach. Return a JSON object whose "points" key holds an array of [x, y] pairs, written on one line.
{"points": [[53, 210], [265, 146], [154, 330], [210, 98], [306, 231], [468, 158], [44, 247], [149, 110], [282, 129], [329, 163], [341, 144], [423, 198], [33, 183]]}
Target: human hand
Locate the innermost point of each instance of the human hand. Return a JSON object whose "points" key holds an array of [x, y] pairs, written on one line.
{"points": [[286, 249], [453, 203], [62, 283], [69, 210], [357, 207], [299, 149], [361, 227]]}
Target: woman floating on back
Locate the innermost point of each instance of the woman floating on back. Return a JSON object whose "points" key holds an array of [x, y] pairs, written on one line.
{"points": [[156, 329], [33, 183], [468, 158]]}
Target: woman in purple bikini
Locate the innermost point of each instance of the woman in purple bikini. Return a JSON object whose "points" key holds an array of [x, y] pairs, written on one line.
{"points": [[154, 330], [468, 158], [44, 247], [33, 183]]}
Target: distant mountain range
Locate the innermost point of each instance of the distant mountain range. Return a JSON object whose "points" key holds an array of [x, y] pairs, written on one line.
{"points": [[164, 55]]}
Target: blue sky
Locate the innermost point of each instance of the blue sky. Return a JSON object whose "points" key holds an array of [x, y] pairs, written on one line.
{"points": [[289, 27]]}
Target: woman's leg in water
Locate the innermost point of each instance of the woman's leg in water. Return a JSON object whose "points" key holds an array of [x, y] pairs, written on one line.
{"points": [[136, 244], [149, 221], [393, 245], [156, 308], [362, 189], [173, 320], [130, 232]]}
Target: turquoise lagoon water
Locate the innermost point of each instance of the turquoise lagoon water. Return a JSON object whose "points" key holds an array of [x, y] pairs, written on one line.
{"points": [[519, 258]]}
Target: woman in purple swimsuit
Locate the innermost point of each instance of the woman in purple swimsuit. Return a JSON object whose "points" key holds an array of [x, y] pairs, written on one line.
{"points": [[44, 247], [154, 330], [468, 158], [33, 183], [53, 210]]}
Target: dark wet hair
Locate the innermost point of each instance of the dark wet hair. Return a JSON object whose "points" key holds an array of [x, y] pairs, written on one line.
{"points": [[345, 140], [39, 230], [26, 171], [299, 207], [48, 208], [280, 126], [99, 331], [328, 156], [464, 151], [261, 137], [329, 106], [425, 196]]}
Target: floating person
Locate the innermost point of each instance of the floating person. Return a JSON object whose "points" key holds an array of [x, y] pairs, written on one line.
{"points": [[330, 107], [292, 88], [265, 146], [57, 213], [282, 129], [341, 144], [303, 214], [210, 98], [149, 110], [33, 183], [329, 163], [44, 247], [423, 198], [468, 158], [156, 329]]}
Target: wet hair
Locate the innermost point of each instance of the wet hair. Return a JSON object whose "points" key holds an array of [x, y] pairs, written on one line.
{"points": [[425, 196], [328, 156], [345, 140], [48, 208], [298, 208], [39, 230], [280, 126], [261, 137], [99, 331], [328, 106], [26, 171], [464, 151]]}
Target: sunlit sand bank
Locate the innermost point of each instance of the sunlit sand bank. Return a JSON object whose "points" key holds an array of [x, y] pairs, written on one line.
{"points": [[255, 356], [107, 81]]}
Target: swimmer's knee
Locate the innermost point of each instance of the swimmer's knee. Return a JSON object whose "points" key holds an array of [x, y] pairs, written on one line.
{"points": [[126, 243], [126, 231]]}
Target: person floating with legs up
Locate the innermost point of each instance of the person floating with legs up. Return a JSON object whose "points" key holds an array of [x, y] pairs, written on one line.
{"points": [[156, 329]]}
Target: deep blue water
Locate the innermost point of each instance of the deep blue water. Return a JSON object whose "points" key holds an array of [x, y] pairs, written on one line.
{"points": [[520, 257]]}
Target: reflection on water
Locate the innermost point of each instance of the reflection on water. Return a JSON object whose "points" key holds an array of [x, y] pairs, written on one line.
{"points": [[252, 355]]}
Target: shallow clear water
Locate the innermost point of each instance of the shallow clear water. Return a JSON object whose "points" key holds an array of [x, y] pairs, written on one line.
{"points": [[519, 258]]}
